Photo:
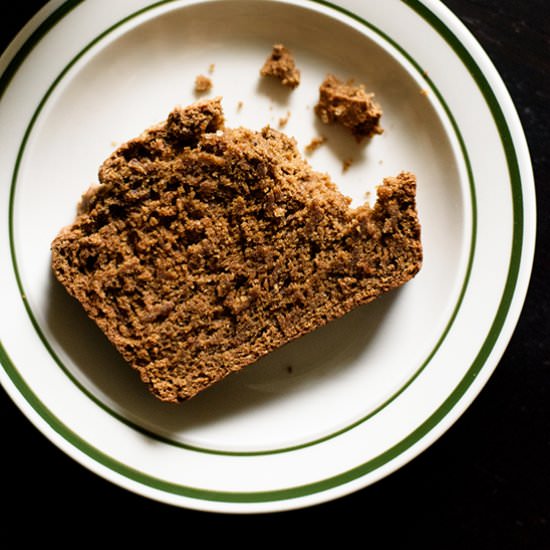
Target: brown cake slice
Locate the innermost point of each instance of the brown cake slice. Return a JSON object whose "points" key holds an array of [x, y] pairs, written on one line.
{"points": [[204, 248]]}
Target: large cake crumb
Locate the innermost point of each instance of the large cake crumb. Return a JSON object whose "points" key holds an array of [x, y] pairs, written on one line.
{"points": [[280, 64], [350, 105]]}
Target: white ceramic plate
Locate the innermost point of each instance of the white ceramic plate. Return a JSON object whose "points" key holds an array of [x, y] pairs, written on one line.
{"points": [[340, 408]]}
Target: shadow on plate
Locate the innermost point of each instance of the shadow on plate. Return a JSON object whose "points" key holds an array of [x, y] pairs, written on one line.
{"points": [[341, 142], [274, 90]]}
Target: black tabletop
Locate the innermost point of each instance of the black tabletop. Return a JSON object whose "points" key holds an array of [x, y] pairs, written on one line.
{"points": [[484, 484]]}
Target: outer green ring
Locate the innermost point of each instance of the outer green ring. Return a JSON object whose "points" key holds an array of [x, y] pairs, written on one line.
{"points": [[427, 425]]}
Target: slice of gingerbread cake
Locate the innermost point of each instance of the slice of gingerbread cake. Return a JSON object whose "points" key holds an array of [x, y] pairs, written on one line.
{"points": [[204, 248]]}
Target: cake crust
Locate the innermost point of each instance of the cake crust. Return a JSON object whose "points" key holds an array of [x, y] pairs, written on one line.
{"points": [[205, 248]]}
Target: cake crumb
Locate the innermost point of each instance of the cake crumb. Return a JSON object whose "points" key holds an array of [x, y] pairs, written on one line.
{"points": [[315, 143], [239, 105], [283, 120], [424, 92], [346, 164], [211, 68], [202, 84], [350, 105], [280, 64]]}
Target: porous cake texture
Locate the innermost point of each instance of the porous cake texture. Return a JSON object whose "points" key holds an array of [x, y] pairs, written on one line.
{"points": [[203, 248]]}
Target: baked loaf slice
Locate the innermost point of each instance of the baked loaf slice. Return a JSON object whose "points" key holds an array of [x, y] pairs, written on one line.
{"points": [[204, 248]]}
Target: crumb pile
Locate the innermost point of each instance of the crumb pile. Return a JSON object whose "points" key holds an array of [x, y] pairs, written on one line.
{"points": [[204, 248]]}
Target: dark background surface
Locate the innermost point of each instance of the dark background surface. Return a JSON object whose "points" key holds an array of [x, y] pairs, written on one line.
{"points": [[484, 484]]}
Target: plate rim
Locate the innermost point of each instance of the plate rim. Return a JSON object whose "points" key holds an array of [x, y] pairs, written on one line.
{"points": [[504, 321]]}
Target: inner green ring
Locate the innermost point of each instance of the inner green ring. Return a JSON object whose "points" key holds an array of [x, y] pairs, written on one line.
{"points": [[187, 446]]}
